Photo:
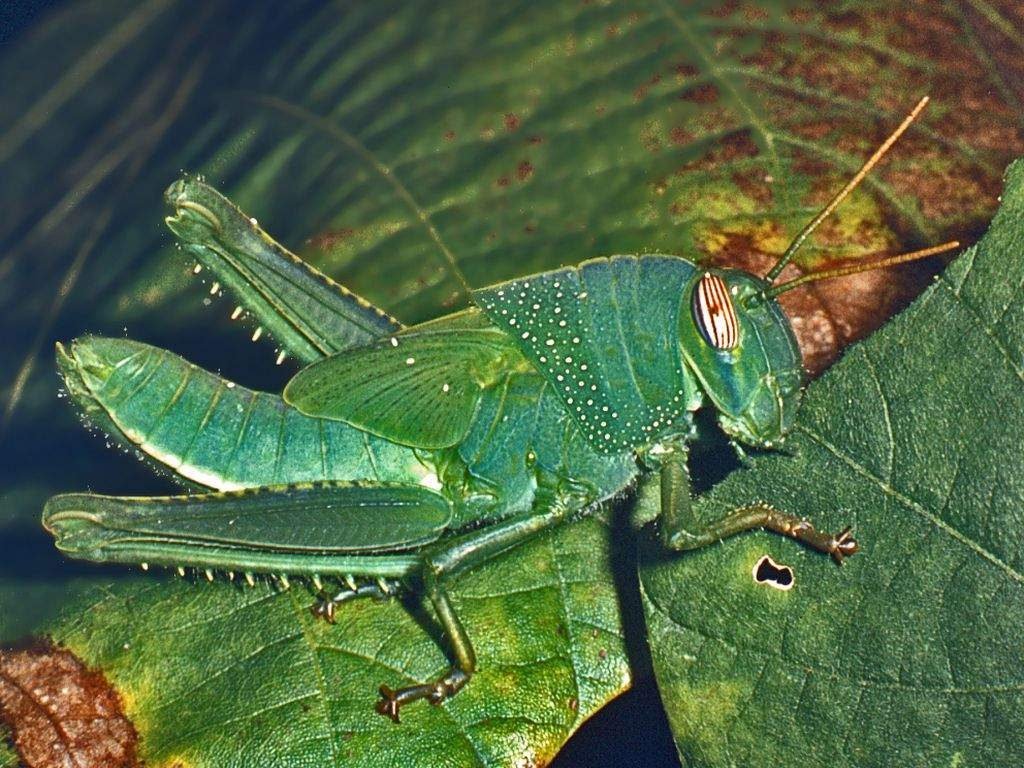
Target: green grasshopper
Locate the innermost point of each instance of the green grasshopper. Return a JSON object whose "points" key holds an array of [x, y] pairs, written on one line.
{"points": [[402, 456]]}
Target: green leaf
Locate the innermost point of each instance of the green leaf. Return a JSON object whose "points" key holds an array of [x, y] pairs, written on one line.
{"points": [[8, 757], [911, 654], [213, 674]]}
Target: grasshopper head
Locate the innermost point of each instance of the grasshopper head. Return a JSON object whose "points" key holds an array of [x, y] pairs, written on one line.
{"points": [[739, 344], [741, 348]]}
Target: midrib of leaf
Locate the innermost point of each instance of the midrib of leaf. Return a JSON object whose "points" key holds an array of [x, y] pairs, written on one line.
{"points": [[911, 504]]}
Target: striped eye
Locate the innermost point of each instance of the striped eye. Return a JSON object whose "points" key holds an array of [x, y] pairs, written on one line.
{"points": [[715, 314]]}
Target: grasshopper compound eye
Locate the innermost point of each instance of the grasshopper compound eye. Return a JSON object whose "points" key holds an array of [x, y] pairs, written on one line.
{"points": [[715, 314]]}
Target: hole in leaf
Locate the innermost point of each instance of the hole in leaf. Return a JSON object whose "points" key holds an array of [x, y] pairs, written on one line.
{"points": [[771, 574]]}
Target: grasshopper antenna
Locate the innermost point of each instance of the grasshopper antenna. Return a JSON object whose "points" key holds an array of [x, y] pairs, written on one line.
{"points": [[855, 268], [858, 177]]}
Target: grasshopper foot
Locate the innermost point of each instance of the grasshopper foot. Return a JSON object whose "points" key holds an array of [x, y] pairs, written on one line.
{"points": [[839, 547], [392, 701], [843, 545], [326, 605]]}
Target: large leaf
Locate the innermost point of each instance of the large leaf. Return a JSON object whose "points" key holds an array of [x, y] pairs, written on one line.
{"points": [[222, 675], [388, 143], [911, 654]]}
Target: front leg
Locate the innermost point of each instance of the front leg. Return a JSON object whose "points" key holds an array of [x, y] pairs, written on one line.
{"points": [[681, 530]]}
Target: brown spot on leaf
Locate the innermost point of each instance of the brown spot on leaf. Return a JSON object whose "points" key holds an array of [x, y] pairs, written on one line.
{"points": [[680, 136], [449, 135], [62, 714], [612, 30], [451, 299], [705, 93], [850, 21], [536, 139], [642, 89], [754, 186], [503, 181], [946, 195], [815, 130], [799, 15], [685, 70], [511, 121], [723, 10], [753, 13], [735, 146], [524, 170], [326, 240]]}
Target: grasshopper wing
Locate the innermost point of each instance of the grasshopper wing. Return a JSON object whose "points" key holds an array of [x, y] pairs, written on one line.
{"points": [[420, 388], [322, 518]]}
